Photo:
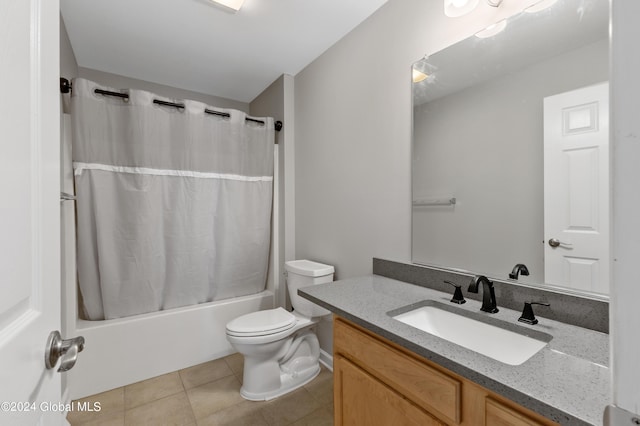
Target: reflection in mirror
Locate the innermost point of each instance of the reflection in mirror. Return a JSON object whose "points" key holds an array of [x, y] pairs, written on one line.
{"points": [[510, 151]]}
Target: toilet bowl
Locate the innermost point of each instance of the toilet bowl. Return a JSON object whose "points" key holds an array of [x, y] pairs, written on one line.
{"points": [[280, 348]]}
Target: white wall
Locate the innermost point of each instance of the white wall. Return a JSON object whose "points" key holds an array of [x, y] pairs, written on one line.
{"points": [[353, 133]]}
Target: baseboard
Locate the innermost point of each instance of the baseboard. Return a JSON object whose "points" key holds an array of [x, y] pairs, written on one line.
{"points": [[326, 359]]}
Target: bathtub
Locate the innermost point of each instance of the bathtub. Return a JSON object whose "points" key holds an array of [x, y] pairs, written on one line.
{"points": [[122, 351]]}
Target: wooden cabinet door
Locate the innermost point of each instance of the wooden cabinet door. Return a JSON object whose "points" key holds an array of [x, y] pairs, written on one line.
{"points": [[497, 414], [360, 399]]}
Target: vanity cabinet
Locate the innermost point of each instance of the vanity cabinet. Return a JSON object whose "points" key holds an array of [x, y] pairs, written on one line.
{"points": [[377, 382]]}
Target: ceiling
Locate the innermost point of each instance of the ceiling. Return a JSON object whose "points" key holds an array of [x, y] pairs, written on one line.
{"points": [[194, 45]]}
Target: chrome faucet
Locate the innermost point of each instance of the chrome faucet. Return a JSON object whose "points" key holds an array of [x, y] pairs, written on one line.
{"points": [[488, 293]]}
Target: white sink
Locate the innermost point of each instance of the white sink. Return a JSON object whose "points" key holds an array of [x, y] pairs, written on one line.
{"points": [[495, 342]]}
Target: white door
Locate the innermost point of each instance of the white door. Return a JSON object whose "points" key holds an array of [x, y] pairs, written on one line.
{"points": [[576, 189], [30, 217]]}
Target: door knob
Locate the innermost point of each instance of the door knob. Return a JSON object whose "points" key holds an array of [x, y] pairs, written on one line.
{"points": [[554, 242], [67, 349]]}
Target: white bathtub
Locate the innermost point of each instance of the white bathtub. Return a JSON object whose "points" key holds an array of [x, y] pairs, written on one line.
{"points": [[126, 350]]}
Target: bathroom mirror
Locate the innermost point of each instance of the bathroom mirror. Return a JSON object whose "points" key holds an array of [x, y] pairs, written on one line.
{"points": [[485, 186]]}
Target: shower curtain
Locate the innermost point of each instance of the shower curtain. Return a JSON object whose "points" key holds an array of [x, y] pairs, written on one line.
{"points": [[173, 204]]}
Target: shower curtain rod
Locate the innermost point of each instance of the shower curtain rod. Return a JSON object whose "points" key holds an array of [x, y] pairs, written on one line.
{"points": [[65, 87]]}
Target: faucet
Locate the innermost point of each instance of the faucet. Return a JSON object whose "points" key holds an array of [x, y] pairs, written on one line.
{"points": [[520, 268], [488, 293]]}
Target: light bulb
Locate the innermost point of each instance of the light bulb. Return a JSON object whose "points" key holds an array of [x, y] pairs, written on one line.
{"points": [[418, 76]]}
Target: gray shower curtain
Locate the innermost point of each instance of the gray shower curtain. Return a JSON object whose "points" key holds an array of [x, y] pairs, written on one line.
{"points": [[173, 204]]}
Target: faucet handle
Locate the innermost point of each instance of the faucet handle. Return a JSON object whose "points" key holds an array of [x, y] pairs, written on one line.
{"points": [[457, 294], [527, 313]]}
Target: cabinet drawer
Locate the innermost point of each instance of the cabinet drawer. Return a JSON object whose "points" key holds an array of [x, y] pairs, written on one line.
{"points": [[425, 386], [498, 414]]}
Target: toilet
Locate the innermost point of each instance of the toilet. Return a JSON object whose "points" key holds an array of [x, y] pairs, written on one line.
{"points": [[280, 348]]}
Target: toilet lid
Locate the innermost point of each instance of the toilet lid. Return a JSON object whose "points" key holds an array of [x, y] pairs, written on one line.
{"points": [[262, 322]]}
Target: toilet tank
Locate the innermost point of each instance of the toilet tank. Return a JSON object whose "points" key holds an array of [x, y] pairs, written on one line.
{"points": [[303, 273]]}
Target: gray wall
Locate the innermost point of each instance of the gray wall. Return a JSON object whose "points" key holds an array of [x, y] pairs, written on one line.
{"points": [[276, 101], [270, 103], [123, 82], [68, 63], [484, 145], [353, 133]]}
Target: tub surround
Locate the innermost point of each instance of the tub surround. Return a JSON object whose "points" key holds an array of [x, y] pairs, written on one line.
{"points": [[586, 312], [568, 381]]}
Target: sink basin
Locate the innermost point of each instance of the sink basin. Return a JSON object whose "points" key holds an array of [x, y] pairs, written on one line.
{"points": [[493, 340]]}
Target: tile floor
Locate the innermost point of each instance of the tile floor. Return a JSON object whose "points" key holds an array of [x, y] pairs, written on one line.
{"points": [[208, 394]]}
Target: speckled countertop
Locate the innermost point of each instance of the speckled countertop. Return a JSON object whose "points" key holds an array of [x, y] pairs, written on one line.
{"points": [[568, 381]]}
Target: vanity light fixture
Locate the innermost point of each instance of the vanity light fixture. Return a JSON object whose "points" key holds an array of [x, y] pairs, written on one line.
{"points": [[234, 5], [492, 29], [418, 75], [455, 8]]}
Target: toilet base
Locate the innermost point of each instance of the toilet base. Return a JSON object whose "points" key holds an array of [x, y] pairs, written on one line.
{"points": [[289, 382]]}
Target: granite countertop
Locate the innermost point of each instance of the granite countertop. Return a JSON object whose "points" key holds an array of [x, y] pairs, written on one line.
{"points": [[567, 381]]}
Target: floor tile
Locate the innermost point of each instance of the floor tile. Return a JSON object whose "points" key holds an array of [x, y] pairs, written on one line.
{"points": [[243, 414], [321, 388], [236, 364], [205, 373], [110, 402], [173, 410], [320, 417], [99, 419], [214, 396], [329, 407], [290, 407], [208, 394], [153, 389]]}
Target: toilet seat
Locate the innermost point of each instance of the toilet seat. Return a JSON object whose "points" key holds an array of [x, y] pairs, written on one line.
{"points": [[261, 323]]}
